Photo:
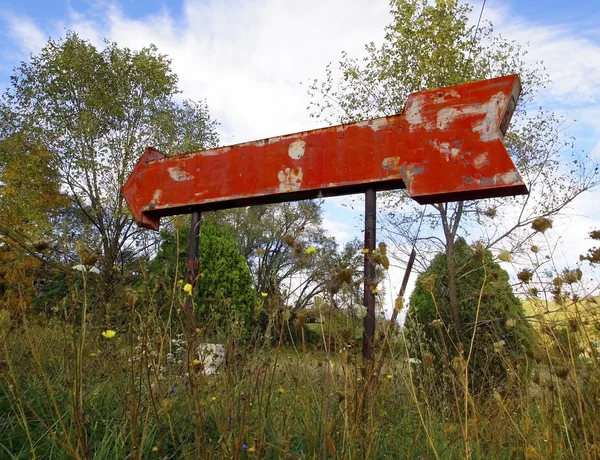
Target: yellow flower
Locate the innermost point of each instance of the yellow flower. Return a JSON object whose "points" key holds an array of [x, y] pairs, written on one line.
{"points": [[389, 376], [311, 250], [374, 251], [264, 294], [375, 291], [155, 449], [198, 331], [214, 398], [251, 449], [92, 355], [201, 275], [180, 282], [108, 334], [187, 289], [281, 390], [195, 362], [365, 251]]}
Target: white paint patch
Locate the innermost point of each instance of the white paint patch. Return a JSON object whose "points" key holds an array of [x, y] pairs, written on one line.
{"points": [[445, 96], [510, 177], [178, 174], [413, 112], [480, 160], [487, 127], [290, 180], [157, 196], [296, 149], [446, 149], [375, 124]]}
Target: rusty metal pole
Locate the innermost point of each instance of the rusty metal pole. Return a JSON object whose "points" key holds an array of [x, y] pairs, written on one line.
{"points": [[192, 265], [369, 274]]}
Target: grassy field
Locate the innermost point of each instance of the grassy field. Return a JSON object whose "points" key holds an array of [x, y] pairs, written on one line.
{"points": [[68, 391]]}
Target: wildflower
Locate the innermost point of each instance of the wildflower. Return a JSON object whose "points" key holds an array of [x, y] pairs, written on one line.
{"points": [[389, 376], [365, 251], [214, 398], [92, 355], [201, 275], [195, 362], [374, 251], [264, 294], [244, 446], [155, 449], [251, 449], [311, 250], [108, 334], [180, 282], [281, 390], [375, 291], [499, 345], [187, 289]]}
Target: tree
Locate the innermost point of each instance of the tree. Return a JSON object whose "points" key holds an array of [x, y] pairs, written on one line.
{"points": [[30, 200], [432, 45], [275, 239], [490, 313], [95, 111], [224, 286]]}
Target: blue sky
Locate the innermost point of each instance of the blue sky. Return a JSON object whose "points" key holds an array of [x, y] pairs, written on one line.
{"points": [[247, 59]]}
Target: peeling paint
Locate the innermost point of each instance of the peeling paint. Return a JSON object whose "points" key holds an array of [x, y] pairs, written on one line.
{"points": [[481, 160], [510, 177], [290, 180], [375, 124], [445, 96], [413, 111], [296, 149], [446, 149], [157, 196], [178, 174], [486, 128], [390, 163]]}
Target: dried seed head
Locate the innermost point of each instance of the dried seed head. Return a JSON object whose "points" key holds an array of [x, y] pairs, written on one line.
{"points": [[504, 256], [541, 224], [525, 275], [428, 282], [490, 212], [399, 303], [289, 240], [535, 249], [572, 276]]}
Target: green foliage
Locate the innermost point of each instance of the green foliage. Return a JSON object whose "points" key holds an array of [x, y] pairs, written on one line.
{"points": [[224, 287], [427, 45], [489, 311], [95, 111]]}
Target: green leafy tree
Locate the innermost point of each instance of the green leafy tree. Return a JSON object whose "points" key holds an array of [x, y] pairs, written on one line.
{"points": [[291, 257], [224, 288], [30, 200], [430, 45], [496, 333], [95, 110]]}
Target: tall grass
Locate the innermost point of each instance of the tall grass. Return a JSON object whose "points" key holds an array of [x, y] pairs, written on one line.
{"points": [[68, 392]]}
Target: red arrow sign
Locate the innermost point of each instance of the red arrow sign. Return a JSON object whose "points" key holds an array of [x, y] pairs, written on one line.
{"points": [[445, 146]]}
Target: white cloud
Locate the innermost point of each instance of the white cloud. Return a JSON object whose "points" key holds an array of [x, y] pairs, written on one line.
{"points": [[247, 59], [341, 231], [28, 37]]}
